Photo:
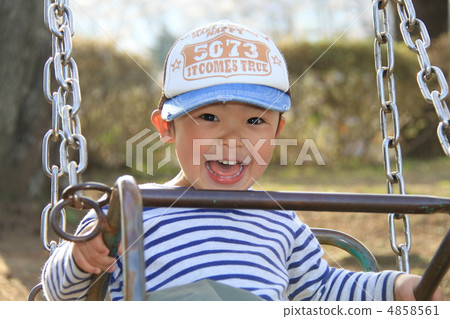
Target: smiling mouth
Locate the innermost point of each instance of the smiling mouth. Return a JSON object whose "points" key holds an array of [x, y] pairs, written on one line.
{"points": [[225, 169]]}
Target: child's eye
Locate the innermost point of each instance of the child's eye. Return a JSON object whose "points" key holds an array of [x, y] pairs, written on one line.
{"points": [[255, 121], [209, 117]]}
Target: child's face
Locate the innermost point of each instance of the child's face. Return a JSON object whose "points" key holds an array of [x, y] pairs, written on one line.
{"points": [[225, 146]]}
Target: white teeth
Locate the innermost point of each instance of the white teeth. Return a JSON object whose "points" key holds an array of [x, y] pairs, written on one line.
{"points": [[214, 173], [228, 162]]}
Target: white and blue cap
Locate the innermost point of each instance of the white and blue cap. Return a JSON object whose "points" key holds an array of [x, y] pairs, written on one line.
{"points": [[223, 62]]}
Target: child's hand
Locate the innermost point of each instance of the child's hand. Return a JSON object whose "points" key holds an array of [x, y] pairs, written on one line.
{"points": [[92, 256], [404, 288]]}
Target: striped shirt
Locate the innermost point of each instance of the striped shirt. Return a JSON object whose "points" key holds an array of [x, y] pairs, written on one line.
{"points": [[270, 253]]}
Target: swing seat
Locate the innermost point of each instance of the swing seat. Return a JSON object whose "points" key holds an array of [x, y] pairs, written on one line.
{"points": [[125, 219], [123, 223], [203, 290], [125, 213]]}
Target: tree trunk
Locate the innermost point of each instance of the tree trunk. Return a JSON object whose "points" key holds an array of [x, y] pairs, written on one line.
{"points": [[24, 114], [434, 13]]}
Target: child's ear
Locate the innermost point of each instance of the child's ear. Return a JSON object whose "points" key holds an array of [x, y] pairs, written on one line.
{"points": [[164, 128], [280, 126]]}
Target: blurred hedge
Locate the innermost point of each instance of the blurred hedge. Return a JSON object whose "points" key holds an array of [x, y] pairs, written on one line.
{"points": [[117, 99], [335, 100]]}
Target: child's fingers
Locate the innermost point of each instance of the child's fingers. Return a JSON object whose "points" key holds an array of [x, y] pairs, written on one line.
{"points": [[94, 262], [99, 246], [92, 256], [100, 255], [101, 261], [82, 261]]}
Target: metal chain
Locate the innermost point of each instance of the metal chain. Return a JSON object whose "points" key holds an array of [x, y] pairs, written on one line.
{"points": [[389, 118], [65, 132], [409, 24]]}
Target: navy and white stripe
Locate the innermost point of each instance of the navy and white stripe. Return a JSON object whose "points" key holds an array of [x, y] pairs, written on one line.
{"points": [[270, 253], [61, 277]]}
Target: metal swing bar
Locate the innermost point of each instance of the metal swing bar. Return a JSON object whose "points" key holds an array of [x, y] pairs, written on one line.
{"points": [[330, 202], [124, 219], [435, 271]]}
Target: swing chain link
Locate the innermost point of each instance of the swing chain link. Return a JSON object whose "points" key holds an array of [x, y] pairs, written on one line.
{"points": [[391, 142], [65, 133], [410, 25]]}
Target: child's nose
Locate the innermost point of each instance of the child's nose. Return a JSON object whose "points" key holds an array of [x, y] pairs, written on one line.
{"points": [[232, 135]]}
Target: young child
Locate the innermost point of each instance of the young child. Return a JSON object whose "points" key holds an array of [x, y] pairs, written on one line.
{"points": [[225, 89]]}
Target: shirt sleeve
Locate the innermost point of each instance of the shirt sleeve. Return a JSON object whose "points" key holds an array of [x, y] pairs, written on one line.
{"points": [[311, 278], [61, 278]]}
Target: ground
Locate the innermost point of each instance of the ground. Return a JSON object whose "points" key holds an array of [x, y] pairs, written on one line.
{"points": [[22, 254]]}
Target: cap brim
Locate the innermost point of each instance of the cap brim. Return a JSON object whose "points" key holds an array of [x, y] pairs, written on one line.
{"points": [[259, 95]]}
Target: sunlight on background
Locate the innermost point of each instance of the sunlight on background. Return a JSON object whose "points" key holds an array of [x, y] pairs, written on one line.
{"points": [[136, 24]]}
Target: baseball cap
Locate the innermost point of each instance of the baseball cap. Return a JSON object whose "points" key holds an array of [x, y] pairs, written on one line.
{"points": [[221, 62]]}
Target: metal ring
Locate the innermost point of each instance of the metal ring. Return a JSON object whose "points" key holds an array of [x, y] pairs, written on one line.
{"points": [[33, 293], [87, 202], [72, 189]]}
